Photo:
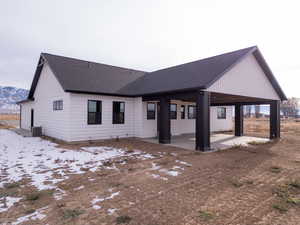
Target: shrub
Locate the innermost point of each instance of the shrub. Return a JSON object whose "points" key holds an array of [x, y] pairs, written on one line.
{"points": [[275, 169], [71, 213], [295, 201], [282, 191], [32, 196], [206, 215], [11, 185], [295, 184], [236, 183], [123, 219], [281, 208], [35, 195], [29, 211]]}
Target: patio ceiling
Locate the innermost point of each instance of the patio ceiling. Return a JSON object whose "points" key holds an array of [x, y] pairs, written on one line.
{"points": [[215, 98]]}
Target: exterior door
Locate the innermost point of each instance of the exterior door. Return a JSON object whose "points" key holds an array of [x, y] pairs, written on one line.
{"points": [[32, 118]]}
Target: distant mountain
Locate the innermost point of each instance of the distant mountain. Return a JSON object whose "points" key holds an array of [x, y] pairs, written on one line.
{"points": [[8, 98]]}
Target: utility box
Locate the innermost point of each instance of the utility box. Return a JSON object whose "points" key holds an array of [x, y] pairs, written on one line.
{"points": [[36, 131]]}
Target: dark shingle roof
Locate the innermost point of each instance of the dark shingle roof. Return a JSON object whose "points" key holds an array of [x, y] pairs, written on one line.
{"points": [[84, 76], [197, 74], [87, 77]]}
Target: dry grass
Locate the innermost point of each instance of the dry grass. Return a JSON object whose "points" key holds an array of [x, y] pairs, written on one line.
{"points": [[9, 117], [8, 121], [260, 127]]}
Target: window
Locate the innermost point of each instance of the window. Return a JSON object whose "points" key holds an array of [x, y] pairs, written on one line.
{"points": [[173, 111], [182, 110], [151, 111], [94, 112], [191, 112], [118, 112], [221, 113], [58, 105]]}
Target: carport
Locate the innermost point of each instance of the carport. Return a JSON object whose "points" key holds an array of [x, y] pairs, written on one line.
{"points": [[233, 79]]}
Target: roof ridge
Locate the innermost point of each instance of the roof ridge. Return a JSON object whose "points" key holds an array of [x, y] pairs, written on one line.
{"points": [[93, 62], [207, 58]]}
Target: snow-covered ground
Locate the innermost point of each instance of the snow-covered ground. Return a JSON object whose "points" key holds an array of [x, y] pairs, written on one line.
{"points": [[7, 202], [41, 161], [174, 171], [37, 215], [95, 202]]}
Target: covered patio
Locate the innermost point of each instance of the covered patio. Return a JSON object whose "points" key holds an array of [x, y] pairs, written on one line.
{"points": [[232, 79], [203, 139]]}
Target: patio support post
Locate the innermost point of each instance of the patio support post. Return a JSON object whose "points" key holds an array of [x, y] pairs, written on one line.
{"points": [[239, 120], [275, 119], [203, 121], [164, 121]]}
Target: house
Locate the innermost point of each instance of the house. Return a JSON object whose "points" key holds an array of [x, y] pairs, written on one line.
{"points": [[76, 100]]}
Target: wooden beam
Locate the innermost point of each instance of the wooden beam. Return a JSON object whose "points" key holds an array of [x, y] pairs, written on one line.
{"points": [[241, 103], [176, 95], [203, 121], [165, 121], [239, 120], [275, 119]]}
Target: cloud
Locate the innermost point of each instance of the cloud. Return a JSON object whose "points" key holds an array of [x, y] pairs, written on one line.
{"points": [[146, 35]]}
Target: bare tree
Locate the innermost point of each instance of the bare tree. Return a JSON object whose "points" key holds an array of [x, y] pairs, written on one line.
{"points": [[248, 110], [290, 107], [257, 111]]}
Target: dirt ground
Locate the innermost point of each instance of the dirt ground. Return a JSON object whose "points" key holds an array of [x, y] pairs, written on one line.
{"points": [[240, 186]]}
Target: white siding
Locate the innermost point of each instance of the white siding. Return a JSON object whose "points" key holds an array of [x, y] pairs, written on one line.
{"points": [[136, 123], [221, 124], [80, 130], [53, 123], [246, 79], [26, 115], [184, 126]]}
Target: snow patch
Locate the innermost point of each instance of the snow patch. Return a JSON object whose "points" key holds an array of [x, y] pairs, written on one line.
{"points": [[156, 176], [155, 167], [79, 188], [7, 202], [59, 194], [97, 207], [97, 200], [170, 172], [37, 215], [111, 211], [42, 161], [183, 163]]}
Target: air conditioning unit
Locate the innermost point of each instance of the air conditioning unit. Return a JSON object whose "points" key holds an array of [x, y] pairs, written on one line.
{"points": [[36, 131]]}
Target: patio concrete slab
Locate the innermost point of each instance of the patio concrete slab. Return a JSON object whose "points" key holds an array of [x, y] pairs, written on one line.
{"points": [[218, 141]]}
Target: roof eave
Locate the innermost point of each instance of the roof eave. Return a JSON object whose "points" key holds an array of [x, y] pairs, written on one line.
{"points": [[98, 93], [25, 101]]}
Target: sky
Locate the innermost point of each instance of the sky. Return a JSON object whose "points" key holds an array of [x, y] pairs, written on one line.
{"points": [[147, 34]]}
